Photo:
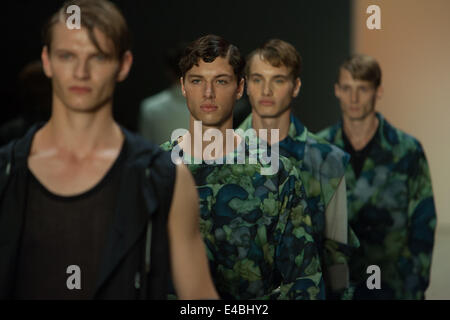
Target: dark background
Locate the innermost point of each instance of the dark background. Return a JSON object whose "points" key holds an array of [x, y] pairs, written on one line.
{"points": [[319, 29]]}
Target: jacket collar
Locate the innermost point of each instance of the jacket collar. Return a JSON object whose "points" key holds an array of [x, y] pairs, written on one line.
{"points": [[297, 130], [386, 135], [22, 147], [136, 195]]}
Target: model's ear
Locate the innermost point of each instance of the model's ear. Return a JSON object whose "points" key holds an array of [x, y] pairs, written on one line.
{"points": [[246, 80], [183, 89], [125, 66], [380, 91], [336, 90], [297, 85], [240, 89], [46, 62]]}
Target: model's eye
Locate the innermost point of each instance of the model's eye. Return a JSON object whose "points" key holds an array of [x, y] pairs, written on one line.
{"points": [[256, 80], [100, 57], [279, 81], [222, 81], [65, 56], [195, 81], [363, 89]]}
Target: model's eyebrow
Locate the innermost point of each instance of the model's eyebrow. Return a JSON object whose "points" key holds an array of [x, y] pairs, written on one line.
{"points": [[224, 75], [274, 76], [91, 54], [61, 50], [218, 76], [194, 76], [281, 76]]}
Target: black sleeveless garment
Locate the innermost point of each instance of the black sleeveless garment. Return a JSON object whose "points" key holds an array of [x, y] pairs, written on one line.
{"points": [[64, 237]]}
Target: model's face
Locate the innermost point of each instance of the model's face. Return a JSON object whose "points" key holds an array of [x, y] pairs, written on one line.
{"points": [[270, 89], [357, 97], [83, 79], [211, 90]]}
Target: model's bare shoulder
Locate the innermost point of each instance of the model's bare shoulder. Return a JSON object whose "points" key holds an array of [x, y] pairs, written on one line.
{"points": [[190, 270], [184, 210]]}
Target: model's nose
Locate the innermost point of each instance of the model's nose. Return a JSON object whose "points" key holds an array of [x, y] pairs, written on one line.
{"points": [[81, 69], [209, 90], [267, 89]]}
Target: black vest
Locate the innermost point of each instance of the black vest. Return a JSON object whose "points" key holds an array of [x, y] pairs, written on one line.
{"points": [[135, 263]]}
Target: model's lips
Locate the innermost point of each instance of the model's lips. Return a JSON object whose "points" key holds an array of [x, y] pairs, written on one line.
{"points": [[80, 90], [266, 102], [208, 107]]}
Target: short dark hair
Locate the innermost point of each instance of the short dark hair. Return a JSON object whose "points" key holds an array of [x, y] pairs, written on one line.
{"points": [[362, 67], [278, 53], [101, 14], [208, 48]]}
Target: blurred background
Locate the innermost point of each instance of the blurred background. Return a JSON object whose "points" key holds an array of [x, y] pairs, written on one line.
{"points": [[412, 47]]}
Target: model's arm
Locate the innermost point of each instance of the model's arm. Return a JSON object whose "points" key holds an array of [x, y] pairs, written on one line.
{"points": [[335, 244], [190, 270], [416, 257], [339, 244]]}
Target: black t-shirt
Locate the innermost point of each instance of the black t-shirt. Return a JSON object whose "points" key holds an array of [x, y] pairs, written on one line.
{"points": [[64, 231], [358, 157]]}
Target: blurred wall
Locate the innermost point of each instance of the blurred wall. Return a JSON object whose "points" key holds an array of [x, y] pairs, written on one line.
{"points": [[413, 49], [318, 29]]}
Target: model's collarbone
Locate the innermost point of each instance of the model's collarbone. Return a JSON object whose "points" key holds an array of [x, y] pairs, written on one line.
{"points": [[67, 175]]}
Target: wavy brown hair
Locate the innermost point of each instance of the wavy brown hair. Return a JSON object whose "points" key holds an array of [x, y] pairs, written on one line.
{"points": [[208, 48], [278, 53], [362, 67]]}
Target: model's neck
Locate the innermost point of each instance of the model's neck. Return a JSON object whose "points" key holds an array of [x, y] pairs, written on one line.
{"points": [[281, 123], [82, 132], [227, 142], [360, 131]]}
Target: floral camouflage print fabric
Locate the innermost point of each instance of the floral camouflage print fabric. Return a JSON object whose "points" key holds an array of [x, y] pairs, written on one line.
{"points": [[259, 242], [320, 166], [391, 209]]}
